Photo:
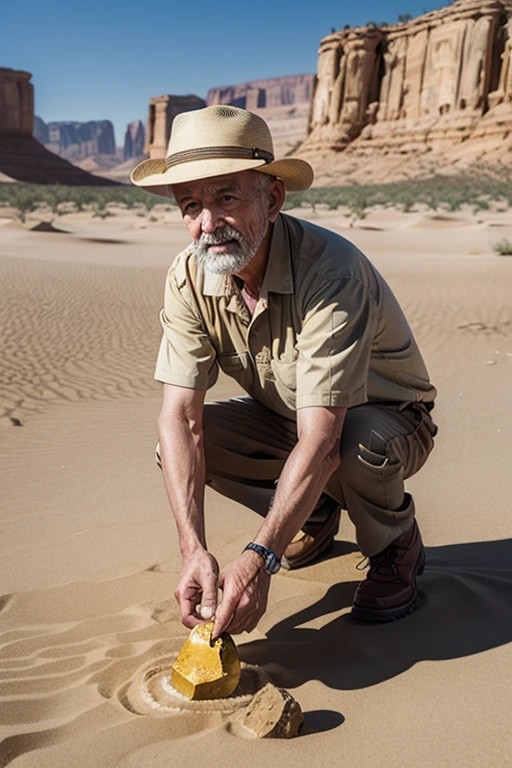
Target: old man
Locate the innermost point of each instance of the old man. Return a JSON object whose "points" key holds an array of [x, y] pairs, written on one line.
{"points": [[337, 412]]}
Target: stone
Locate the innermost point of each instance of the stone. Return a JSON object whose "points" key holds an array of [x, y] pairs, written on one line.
{"points": [[16, 102], [273, 713], [264, 94], [162, 111], [134, 140], [22, 157], [206, 669], [435, 90], [77, 141]]}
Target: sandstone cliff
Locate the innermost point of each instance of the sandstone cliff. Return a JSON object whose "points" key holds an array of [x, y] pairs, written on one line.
{"points": [[395, 102], [22, 157], [264, 94], [162, 111], [284, 102]]}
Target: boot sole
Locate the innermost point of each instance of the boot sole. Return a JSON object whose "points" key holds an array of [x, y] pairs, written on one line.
{"points": [[385, 615]]}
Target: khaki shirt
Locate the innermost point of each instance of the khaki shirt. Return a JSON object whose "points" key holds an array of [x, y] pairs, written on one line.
{"points": [[327, 330]]}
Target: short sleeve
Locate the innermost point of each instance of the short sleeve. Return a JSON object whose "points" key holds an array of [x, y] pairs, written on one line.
{"points": [[335, 344], [186, 357]]}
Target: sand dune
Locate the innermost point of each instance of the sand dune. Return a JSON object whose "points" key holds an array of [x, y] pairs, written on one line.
{"points": [[89, 552]]}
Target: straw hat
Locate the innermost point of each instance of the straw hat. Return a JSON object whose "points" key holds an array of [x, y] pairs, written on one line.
{"points": [[218, 140]]}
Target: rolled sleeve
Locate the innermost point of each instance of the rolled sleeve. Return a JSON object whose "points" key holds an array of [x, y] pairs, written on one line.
{"points": [[335, 344], [186, 357]]}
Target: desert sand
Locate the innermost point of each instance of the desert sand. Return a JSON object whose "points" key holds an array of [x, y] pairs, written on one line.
{"points": [[89, 551]]}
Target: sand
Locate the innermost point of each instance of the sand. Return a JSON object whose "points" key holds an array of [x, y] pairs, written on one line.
{"points": [[89, 551]]}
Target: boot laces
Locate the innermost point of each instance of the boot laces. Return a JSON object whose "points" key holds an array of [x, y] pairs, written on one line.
{"points": [[383, 563]]}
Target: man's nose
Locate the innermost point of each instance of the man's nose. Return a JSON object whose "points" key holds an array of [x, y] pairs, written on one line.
{"points": [[211, 219]]}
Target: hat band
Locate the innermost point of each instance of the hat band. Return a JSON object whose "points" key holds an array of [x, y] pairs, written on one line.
{"points": [[209, 153]]}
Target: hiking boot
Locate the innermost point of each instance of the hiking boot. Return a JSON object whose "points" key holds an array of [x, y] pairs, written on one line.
{"points": [[389, 591], [315, 538]]}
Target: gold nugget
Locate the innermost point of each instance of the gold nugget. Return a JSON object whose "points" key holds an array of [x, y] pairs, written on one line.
{"points": [[206, 669]]}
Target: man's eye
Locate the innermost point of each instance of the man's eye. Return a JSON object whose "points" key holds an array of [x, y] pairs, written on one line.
{"points": [[227, 198], [190, 208]]}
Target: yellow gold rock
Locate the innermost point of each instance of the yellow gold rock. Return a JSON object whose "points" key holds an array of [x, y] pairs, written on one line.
{"points": [[206, 669]]}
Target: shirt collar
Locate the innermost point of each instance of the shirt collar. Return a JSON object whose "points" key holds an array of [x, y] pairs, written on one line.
{"points": [[278, 275]]}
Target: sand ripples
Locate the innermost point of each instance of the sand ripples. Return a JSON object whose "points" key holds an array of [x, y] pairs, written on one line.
{"points": [[65, 679], [75, 332]]}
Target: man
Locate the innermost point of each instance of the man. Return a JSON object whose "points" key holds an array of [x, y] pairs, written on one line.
{"points": [[339, 400]]}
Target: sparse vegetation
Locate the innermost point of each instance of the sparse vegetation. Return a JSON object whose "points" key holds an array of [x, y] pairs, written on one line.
{"points": [[448, 193], [403, 18], [60, 199], [503, 247], [438, 193]]}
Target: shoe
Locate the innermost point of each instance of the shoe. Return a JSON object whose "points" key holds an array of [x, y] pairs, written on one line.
{"points": [[314, 539], [389, 591]]}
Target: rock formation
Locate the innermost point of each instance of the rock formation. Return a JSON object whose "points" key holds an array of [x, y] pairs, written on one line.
{"points": [[162, 111], [134, 140], [439, 84], [282, 101], [22, 157], [76, 141], [264, 94]]}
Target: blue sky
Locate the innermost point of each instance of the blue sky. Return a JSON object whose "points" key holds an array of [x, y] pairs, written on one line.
{"points": [[95, 60]]}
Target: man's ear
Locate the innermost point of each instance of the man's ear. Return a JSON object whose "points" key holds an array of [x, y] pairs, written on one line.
{"points": [[277, 194]]}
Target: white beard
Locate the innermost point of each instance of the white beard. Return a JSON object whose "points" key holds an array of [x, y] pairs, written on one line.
{"points": [[240, 253]]}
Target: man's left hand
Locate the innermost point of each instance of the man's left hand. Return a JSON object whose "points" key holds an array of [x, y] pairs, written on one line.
{"points": [[245, 588]]}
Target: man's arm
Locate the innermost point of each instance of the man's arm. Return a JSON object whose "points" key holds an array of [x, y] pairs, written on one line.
{"points": [[306, 472], [180, 429]]}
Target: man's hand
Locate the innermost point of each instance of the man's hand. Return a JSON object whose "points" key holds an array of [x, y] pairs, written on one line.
{"points": [[197, 586], [245, 588]]}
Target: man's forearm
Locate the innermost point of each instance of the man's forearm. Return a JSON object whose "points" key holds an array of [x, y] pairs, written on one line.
{"points": [[304, 476], [183, 466]]}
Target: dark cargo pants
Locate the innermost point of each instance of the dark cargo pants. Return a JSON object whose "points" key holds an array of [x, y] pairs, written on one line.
{"points": [[246, 446]]}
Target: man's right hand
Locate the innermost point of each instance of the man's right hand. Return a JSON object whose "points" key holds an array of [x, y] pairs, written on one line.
{"points": [[197, 587]]}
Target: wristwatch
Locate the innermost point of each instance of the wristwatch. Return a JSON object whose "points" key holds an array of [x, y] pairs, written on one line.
{"points": [[271, 560]]}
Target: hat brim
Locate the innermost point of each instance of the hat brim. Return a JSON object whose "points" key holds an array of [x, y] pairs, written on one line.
{"points": [[153, 175]]}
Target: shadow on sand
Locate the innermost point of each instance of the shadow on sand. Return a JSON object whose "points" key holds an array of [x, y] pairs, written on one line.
{"points": [[465, 608]]}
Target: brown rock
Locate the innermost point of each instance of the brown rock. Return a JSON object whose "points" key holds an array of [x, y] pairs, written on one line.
{"points": [[162, 111], [264, 94], [430, 85], [206, 669], [274, 714], [22, 157]]}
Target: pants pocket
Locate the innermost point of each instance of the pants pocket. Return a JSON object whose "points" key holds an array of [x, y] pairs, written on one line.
{"points": [[413, 449]]}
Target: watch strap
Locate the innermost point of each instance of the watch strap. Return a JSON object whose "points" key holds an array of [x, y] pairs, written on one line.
{"points": [[272, 563]]}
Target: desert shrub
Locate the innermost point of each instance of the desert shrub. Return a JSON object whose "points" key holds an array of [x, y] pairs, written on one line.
{"points": [[27, 197], [24, 202], [503, 247], [435, 191]]}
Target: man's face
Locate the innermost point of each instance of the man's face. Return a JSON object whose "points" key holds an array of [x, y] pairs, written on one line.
{"points": [[227, 216]]}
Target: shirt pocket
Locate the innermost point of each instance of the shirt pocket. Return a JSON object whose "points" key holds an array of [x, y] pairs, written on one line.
{"points": [[285, 373]]}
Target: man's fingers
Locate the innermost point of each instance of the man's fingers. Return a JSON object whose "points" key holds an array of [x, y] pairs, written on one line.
{"points": [[208, 604], [224, 614], [196, 594]]}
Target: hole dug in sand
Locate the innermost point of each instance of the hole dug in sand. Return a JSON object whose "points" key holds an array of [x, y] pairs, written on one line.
{"points": [[256, 709], [151, 692]]}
